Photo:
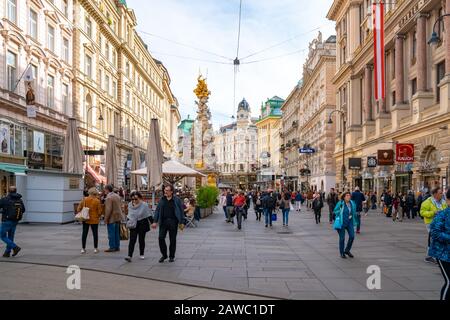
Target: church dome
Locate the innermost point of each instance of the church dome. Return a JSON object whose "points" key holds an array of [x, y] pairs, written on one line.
{"points": [[243, 105]]}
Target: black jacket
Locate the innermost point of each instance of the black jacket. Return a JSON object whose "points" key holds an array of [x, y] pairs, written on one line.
{"points": [[7, 206]]}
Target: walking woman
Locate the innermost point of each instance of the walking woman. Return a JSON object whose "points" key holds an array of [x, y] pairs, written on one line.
{"points": [[138, 222], [258, 206], [317, 206], [345, 211], [285, 206], [92, 202], [440, 245]]}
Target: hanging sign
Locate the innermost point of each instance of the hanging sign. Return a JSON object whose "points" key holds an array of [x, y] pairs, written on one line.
{"points": [[404, 152]]}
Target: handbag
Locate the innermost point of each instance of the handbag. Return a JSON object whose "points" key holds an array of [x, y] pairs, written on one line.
{"points": [[83, 215], [131, 224], [337, 225], [274, 217], [124, 232]]}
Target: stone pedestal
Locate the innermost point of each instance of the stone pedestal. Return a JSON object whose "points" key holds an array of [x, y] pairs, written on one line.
{"points": [[444, 86], [419, 102], [398, 112]]}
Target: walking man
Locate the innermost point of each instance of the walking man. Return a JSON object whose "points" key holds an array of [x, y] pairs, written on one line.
{"points": [[169, 214], [358, 198], [332, 200], [13, 210], [298, 201], [113, 216]]}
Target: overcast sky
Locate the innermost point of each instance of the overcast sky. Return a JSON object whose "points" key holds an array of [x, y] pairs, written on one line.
{"points": [[212, 25]]}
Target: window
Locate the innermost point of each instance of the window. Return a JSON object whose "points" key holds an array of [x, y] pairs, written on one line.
{"points": [[127, 98], [100, 78], [127, 69], [65, 50], [88, 27], [51, 38], [115, 89], [33, 23], [413, 86], [65, 98], [65, 7], [114, 57], [107, 84], [440, 72], [88, 66], [50, 91], [12, 10], [393, 64], [107, 50], [11, 62]]}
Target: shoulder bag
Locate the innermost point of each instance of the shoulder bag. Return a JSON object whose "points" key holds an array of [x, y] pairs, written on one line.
{"points": [[83, 215]]}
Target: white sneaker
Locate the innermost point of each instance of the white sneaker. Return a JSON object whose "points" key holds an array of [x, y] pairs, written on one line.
{"points": [[142, 257], [83, 251], [96, 251]]}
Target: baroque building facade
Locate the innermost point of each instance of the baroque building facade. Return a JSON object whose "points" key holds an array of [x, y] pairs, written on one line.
{"points": [[416, 109]]}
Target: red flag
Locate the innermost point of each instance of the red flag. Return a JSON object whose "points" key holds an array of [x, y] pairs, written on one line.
{"points": [[378, 44]]}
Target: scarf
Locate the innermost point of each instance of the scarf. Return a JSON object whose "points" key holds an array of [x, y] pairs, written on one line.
{"points": [[439, 204]]}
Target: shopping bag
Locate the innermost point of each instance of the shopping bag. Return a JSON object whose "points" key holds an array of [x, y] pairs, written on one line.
{"points": [[124, 232], [83, 215], [274, 217]]}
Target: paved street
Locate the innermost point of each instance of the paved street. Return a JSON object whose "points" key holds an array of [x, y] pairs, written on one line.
{"points": [[299, 262]]}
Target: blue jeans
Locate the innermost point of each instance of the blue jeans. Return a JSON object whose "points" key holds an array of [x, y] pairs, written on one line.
{"points": [[286, 215], [7, 231], [351, 236], [114, 235], [225, 210], [268, 216]]}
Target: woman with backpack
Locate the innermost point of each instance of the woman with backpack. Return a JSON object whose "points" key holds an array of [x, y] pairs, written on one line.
{"points": [[285, 207], [138, 223], [317, 205], [258, 206]]}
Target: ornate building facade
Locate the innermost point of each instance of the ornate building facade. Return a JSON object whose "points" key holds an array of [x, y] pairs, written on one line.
{"points": [[317, 101], [116, 77], [236, 150], [416, 109], [269, 143]]}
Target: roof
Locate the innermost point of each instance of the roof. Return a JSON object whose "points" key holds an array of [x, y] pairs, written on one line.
{"points": [[123, 2], [331, 39], [186, 125], [244, 105]]}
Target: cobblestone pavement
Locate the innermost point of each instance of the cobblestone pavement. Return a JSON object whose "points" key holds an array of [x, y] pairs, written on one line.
{"points": [[296, 262]]}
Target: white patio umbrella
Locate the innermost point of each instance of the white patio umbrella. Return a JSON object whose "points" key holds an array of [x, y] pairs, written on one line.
{"points": [[73, 150], [173, 171], [111, 162]]}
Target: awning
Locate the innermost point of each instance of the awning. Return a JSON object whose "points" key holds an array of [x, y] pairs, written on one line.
{"points": [[98, 178], [17, 169]]}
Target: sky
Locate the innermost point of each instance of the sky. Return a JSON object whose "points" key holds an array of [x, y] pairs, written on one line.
{"points": [[201, 36]]}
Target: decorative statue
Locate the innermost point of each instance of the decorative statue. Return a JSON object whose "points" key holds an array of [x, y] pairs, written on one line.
{"points": [[202, 91]]}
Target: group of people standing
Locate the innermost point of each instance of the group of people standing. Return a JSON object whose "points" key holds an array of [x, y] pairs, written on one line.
{"points": [[169, 215]]}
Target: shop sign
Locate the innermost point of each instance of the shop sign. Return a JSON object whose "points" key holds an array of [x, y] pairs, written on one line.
{"points": [[385, 157], [307, 150], [372, 162], [354, 163], [404, 152], [74, 183], [36, 159]]}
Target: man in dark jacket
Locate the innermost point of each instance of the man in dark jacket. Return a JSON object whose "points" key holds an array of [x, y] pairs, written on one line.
{"points": [[410, 203], [332, 200], [268, 204], [13, 209], [230, 207], [358, 198], [169, 214]]}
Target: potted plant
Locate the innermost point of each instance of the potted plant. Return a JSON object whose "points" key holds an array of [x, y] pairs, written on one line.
{"points": [[206, 199]]}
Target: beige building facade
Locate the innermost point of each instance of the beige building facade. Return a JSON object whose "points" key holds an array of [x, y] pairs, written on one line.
{"points": [[416, 109], [116, 77]]}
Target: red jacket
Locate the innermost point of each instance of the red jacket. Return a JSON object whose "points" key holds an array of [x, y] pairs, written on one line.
{"points": [[239, 201]]}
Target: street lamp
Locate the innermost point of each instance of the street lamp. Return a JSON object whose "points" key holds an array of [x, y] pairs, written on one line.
{"points": [[344, 120], [100, 118], [434, 40]]}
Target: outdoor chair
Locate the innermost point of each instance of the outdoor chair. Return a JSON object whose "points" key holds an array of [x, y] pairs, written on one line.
{"points": [[190, 222]]}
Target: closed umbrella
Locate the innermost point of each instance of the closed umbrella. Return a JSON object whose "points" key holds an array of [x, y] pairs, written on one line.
{"points": [[154, 158], [73, 150], [136, 181], [111, 162]]}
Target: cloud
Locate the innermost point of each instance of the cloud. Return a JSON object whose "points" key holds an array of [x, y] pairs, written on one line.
{"points": [[212, 25]]}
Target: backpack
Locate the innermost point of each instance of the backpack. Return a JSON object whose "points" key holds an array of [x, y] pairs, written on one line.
{"points": [[15, 212]]}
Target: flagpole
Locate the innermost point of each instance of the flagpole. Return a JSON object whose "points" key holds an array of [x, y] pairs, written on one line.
{"points": [[17, 82]]}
